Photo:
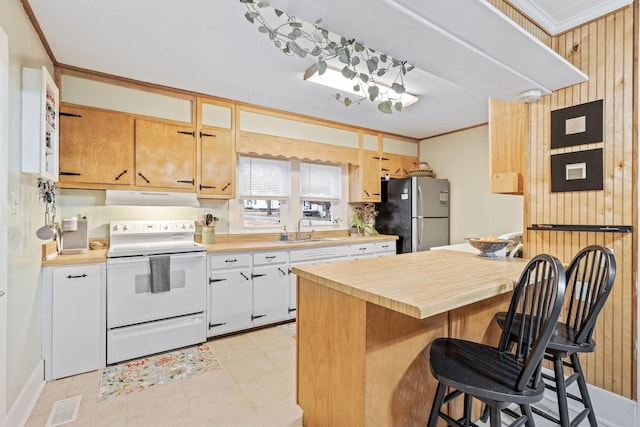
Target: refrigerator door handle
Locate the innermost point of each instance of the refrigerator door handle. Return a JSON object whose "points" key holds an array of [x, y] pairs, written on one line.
{"points": [[419, 201], [421, 233]]}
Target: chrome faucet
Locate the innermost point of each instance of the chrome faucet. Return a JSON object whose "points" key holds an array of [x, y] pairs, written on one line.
{"points": [[298, 235]]}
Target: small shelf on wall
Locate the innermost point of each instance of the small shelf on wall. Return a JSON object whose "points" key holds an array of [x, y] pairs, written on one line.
{"points": [[588, 228], [40, 107]]}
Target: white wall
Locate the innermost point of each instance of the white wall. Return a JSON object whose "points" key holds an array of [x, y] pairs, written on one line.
{"points": [[91, 204], [24, 320], [463, 158]]}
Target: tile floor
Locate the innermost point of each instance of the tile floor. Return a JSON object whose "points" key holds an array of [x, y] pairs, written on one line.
{"points": [[254, 388]]}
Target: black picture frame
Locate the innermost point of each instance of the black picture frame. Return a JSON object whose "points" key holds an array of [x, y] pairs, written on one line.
{"points": [[586, 121], [578, 171]]}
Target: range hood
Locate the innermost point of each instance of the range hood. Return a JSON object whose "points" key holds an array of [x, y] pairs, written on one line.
{"points": [[150, 198]]}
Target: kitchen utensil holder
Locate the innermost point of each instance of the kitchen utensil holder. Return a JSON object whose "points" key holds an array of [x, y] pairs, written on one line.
{"points": [[208, 235]]}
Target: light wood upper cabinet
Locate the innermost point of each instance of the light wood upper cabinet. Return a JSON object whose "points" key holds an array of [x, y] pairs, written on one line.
{"points": [[364, 179], [96, 146], [397, 165], [507, 143], [217, 164], [165, 155], [216, 149]]}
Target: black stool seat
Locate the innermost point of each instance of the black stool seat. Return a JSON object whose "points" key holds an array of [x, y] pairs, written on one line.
{"points": [[589, 280], [485, 372], [511, 372]]}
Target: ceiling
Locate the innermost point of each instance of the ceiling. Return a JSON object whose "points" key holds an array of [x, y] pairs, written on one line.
{"points": [[559, 16], [209, 47]]}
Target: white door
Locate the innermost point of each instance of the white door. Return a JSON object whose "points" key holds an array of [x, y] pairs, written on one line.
{"points": [[230, 301], [270, 294], [4, 154]]}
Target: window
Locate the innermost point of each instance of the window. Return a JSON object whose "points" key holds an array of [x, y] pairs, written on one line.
{"points": [[263, 187], [266, 178], [319, 192]]}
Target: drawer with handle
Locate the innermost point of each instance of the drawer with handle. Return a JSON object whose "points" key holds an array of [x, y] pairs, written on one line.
{"points": [[230, 260], [271, 257]]}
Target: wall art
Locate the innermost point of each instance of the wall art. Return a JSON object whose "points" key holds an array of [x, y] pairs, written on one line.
{"points": [[578, 171], [580, 124]]}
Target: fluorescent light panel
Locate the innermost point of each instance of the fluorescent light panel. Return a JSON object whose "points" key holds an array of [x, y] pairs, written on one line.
{"points": [[334, 79]]}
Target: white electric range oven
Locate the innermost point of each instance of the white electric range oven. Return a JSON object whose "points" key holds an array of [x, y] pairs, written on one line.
{"points": [[145, 316]]}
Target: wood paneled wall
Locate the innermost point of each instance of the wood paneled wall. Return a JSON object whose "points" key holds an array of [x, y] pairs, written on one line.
{"points": [[604, 49], [516, 16]]}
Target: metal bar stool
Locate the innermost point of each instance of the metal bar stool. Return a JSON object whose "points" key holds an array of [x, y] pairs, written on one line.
{"points": [[590, 277], [510, 373]]}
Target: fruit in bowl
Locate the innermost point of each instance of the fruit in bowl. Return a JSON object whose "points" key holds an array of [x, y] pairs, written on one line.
{"points": [[488, 246]]}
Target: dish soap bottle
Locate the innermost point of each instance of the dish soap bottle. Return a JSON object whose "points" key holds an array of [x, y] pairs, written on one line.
{"points": [[284, 235]]}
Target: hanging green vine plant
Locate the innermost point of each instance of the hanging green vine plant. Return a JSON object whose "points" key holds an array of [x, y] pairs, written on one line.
{"points": [[291, 37]]}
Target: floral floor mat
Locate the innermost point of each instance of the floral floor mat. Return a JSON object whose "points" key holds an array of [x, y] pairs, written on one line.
{"points": [[142, 374]]}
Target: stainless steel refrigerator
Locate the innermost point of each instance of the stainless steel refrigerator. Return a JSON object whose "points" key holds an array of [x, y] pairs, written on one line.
{"points": [[416, 210]]}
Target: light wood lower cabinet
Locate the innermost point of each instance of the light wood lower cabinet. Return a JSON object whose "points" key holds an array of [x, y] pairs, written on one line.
{"points": [[165, 155], [217, 163], [96, 146]]}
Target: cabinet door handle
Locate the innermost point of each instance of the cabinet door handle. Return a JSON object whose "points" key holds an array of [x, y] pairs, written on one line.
{"points": [[366, 192], [385, 170], [215, 325], [69, 173], [202, 187], [292, 309], [257, 275], [121, 173], [216, 280], [69, 114], [226, 186], [186, 132], [375, 194], [270, 257], [76, 277], [257, 316], [144, 177], [383, 158], [284, 273], [245, 276], [231, 260], [376, 158], [206, 134], [186, 181]]}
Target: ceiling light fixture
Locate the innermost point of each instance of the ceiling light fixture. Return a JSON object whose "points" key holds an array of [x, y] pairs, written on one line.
{"points": [[529, 96], [361, 65], [333, 78]]}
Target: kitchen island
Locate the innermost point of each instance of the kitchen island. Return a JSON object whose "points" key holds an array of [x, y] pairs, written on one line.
{"points": [[364, 327]]}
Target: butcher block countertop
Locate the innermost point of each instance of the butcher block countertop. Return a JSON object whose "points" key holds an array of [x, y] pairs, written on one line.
{"points": [[420, 284], [228, 243], [237, 244], [91, 257]]}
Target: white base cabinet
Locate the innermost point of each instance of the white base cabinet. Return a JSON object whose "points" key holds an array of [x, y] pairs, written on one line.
{"points": [[230, 297], [249, 289], [270, 294], [74, 334], [230, 293], [298, 257]]}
